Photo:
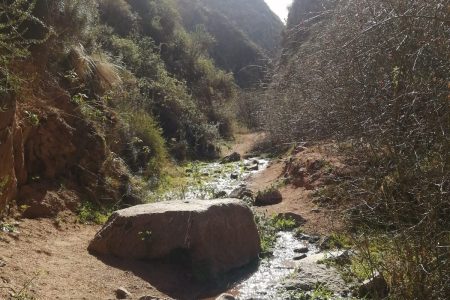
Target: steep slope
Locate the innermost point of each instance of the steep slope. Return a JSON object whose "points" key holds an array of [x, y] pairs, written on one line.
{"points": [[254, 18], [246, 33], [94, 93]]}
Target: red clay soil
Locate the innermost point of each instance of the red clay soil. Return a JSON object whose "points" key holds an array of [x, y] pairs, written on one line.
{"points": [[299, 200]]}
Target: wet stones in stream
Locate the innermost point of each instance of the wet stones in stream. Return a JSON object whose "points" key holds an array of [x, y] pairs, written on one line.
{"points": [[234, 157]]}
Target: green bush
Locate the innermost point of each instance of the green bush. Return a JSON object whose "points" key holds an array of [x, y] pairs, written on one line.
{"points": [[119, 15], [148, 140], [91, 213], [14, 43]]}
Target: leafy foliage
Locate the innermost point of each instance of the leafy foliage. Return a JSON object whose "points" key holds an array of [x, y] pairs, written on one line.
{"points": [[15, 17]]}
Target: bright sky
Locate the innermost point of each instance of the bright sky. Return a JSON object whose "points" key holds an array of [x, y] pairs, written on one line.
{"points": [[280, 7]]}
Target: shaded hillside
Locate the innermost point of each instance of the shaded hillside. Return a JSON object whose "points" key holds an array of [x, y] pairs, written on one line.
{"points": [[254, 18], [246, 34]]}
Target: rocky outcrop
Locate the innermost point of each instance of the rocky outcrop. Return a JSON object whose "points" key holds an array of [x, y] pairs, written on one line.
{"points": [[214, 236], [51, 157]]}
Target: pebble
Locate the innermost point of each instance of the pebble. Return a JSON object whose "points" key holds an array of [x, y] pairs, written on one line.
{"points": [[301, 250], [300, 257]]}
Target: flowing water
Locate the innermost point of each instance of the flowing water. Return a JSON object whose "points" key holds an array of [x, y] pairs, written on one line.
{"points": [[213, 180], [267, 281]]}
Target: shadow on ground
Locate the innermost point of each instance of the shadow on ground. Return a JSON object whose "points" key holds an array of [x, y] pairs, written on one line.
{"points": [[177, 280]]}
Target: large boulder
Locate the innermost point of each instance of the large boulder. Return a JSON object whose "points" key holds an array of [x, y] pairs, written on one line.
{"points": [[214, 236]]}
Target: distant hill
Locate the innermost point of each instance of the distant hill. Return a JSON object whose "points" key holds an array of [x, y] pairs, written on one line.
{"points": [[254, 18], [247, 34]]}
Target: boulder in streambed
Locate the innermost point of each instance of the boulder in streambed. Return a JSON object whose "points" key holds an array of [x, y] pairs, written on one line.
{"points": [[233, 157], [214, 236]]}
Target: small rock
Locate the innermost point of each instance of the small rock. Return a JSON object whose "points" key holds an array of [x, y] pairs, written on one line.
{"points": [[292, 285], [122, 293], [315, 210], [311, 239], [221, 194], [301, 250], [226, 297], [234, 176], [252, 168], [269, 197], [300, 257], [375, 287], [241, 193], [2, 263], [231, 158]]}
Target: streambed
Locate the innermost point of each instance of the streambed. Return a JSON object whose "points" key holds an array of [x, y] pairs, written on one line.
{"points": [[268, 281]]}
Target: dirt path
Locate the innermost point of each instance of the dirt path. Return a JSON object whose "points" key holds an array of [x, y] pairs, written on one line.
{"points": [[60, 267], [244, 142]]}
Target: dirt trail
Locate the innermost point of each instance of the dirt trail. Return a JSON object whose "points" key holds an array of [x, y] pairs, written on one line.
{"points": [[61, 266]]}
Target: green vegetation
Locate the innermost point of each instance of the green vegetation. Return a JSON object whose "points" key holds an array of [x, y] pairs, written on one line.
{"points": [[14, 45], [7, 227], [283, 224], [89, 213], [268, 228], [320, 292]]}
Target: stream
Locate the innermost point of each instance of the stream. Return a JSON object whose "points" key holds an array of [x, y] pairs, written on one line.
{"points": [[216, 180]]}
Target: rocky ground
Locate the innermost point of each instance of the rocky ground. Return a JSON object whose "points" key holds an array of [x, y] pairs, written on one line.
{"points": [[48, 258]]}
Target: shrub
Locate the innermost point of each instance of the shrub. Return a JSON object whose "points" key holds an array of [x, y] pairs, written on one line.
{"points": [[119, 15], [376, 74], [16, 19], [148, 141]]}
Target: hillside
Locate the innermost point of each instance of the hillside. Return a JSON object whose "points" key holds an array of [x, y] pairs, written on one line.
{"points": [[99, 97], [254, 18], [246, 33]]}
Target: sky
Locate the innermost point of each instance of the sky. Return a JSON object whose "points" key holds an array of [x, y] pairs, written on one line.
{"points": [[280, 7]]}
